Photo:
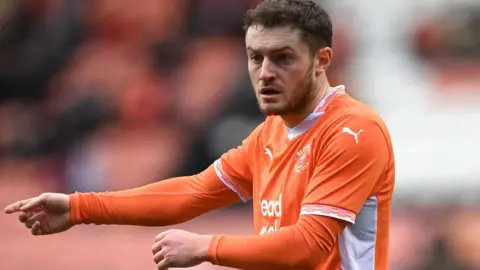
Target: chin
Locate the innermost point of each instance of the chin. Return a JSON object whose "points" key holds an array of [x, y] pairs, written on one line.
{"points": [[271, 110]]}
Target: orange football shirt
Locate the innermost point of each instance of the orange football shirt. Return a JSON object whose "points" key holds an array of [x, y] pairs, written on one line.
{"points": [[338, 163]]}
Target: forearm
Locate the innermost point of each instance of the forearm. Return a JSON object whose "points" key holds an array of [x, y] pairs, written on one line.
{"points": [[163, 203], [303, 246]]}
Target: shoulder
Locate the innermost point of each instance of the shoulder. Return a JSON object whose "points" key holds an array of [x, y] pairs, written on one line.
{"points": [[351, 128], [347, 114]]}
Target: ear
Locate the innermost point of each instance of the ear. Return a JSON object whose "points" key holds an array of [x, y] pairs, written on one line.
{"points": [[323, 58]]}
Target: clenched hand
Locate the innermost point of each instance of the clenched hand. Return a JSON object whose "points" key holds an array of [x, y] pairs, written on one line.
{"points": [[177, 248]]}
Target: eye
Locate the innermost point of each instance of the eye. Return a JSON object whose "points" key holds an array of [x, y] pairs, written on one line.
{"points": [[256, 58], [284, 58]]}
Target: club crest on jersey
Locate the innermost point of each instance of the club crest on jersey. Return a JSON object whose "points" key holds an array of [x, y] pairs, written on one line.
{"points": [[302, 157]]}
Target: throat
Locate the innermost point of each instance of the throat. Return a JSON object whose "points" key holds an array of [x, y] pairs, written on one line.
{"points": [[293, 119]]}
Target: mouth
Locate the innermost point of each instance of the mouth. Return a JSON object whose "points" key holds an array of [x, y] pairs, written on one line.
{"points": [[269, 91]]}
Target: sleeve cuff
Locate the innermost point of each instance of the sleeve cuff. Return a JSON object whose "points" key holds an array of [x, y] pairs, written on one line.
{"points": [[212, 250], [75, 217], [328, 211]]}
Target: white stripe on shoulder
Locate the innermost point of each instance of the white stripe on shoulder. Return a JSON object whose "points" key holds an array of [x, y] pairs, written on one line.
{"points": [[328, 211], [244, 195]]}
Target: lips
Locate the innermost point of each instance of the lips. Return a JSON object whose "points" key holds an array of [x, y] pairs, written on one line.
{"points": [[269, 90]]}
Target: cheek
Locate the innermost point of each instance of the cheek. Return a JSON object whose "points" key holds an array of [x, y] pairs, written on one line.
{"points": [[297, 86], [296, 81], [254, 81], [253, 75]]}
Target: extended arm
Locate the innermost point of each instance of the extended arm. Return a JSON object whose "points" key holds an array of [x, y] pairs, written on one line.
{"points": [[166, 202], [163, 203], [174, 200]]}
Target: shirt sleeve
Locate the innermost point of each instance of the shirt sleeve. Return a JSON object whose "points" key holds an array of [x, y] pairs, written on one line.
{"points": [[166, 202], [353, 160], [174, 200], [234, 168], [301, 246]]}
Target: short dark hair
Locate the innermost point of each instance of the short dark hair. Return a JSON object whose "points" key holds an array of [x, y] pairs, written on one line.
{"points": [[305, 15]]}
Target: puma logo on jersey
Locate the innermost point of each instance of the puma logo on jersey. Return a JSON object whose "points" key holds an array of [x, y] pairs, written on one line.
{"points": [[268, 152], [349, 131]]}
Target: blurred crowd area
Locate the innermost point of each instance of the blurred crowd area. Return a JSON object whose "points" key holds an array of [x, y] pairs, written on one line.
{"points": [[111, 94]]}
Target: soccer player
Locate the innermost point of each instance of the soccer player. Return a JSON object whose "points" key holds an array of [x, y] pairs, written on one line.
{"points": [[320, 168]]}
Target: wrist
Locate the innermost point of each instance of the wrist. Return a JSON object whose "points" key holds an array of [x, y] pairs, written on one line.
{"points": [[75, 217], [203, 253], [212, 255]]}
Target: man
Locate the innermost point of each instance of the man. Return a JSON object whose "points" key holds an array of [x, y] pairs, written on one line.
{"points": [[320, 168]]}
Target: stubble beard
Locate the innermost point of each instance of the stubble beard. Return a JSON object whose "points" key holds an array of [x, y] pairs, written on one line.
{"points": [[300, 103]]}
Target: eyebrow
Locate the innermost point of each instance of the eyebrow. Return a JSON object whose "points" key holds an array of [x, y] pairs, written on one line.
{"points": [[275, 49]]}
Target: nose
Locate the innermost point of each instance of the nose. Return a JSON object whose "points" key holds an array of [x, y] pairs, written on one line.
{"points": [[267, 72]]}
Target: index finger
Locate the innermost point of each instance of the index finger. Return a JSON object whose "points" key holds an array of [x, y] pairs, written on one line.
{"points": [[15, 207], [160, 236]]}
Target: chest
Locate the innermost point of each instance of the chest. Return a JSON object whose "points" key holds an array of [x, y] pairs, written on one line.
{"points": [[281, 175]]}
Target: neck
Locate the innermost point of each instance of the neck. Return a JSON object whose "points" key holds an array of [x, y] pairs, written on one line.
{"points": [[292, 120]]}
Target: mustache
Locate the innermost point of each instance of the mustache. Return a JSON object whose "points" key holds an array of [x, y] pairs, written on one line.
{"points": [[264, 84]]}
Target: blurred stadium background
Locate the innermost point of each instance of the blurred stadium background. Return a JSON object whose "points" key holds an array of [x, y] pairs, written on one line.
{"points": [[111, 94]]}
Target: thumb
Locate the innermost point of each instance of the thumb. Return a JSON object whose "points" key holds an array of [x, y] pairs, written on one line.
{"points": [[33, 203]]}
